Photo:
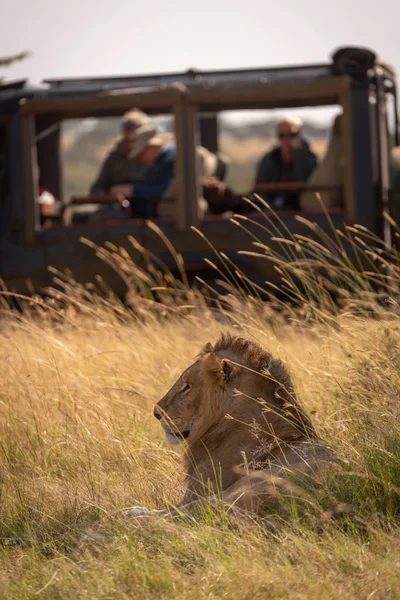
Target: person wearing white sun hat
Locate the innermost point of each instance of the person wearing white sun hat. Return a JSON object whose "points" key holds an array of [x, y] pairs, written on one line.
{"points": [[150, 150]]}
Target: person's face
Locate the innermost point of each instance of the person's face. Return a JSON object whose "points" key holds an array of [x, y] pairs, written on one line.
{"points": [[289, 137], [128, 134], [149, 155]]}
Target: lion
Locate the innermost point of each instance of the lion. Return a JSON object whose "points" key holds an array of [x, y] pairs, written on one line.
{"points": [[246, 438]]}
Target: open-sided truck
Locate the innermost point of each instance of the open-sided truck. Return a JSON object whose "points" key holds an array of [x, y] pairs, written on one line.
{"points": [[30, 118]]}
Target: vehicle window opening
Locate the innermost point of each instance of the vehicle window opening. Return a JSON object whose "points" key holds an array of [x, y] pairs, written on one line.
{"points": [[95, 162], [247, 138]]}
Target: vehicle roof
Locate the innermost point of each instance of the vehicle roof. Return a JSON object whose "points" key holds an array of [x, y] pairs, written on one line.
{"points": [[12, 92], [191, 78]]}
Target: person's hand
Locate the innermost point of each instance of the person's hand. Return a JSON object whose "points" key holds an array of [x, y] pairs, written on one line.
{"points": [[49, 206], [121, 191], [215, 184]]}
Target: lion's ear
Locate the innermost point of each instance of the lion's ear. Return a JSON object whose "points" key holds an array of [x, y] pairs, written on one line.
{"points": [[211, 363], [221, 369], [208, 347], [227, 369]]}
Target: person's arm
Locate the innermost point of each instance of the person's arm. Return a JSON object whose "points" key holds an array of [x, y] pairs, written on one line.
{"points": [[265, 171], [307, 162], [104, 179]]}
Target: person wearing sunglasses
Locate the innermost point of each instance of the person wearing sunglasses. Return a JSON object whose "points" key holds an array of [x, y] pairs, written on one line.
{"points": [[290, 161]]}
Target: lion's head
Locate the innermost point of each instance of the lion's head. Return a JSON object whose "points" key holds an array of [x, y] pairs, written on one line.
{"points": [[235, 379]]}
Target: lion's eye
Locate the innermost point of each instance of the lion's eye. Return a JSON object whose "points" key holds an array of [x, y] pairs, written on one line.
{"points": [[187, 387]]}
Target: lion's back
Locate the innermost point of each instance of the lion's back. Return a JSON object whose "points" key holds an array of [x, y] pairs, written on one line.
{"points": [[308, 458]]}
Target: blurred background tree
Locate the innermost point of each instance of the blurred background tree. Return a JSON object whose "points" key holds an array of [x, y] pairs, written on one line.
{"points": [[6, 61]]}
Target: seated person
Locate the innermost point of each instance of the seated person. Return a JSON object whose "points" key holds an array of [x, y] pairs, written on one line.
{"points": [[394, 163], [290, 161], [149, 150], [148, 198], [330, 171], [216, 197], [121, 166]]}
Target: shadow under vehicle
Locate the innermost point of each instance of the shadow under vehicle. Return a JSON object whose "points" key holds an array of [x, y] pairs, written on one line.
{"points": [[30, 119]]}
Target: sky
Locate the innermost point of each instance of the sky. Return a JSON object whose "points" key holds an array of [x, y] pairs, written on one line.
{"points": [[89, 38]]}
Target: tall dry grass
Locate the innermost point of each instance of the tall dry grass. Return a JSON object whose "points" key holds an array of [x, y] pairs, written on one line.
{"points": [[79, 376]]}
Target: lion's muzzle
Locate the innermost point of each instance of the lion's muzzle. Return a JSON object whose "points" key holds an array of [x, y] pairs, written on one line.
{"points": [[175, 437]]}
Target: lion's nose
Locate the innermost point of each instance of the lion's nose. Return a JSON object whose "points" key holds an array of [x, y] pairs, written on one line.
{"points": [[157, 414]]}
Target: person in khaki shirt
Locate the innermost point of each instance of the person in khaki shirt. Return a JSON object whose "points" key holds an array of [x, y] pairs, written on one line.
{"points": [[216, 197], [120, 166], [329, 172]]}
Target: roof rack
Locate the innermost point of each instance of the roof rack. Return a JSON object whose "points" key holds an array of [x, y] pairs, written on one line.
{"points": [[193, 77]]}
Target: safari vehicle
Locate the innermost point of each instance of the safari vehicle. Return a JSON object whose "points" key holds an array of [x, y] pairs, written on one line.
{"points": [[30, 119]]}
